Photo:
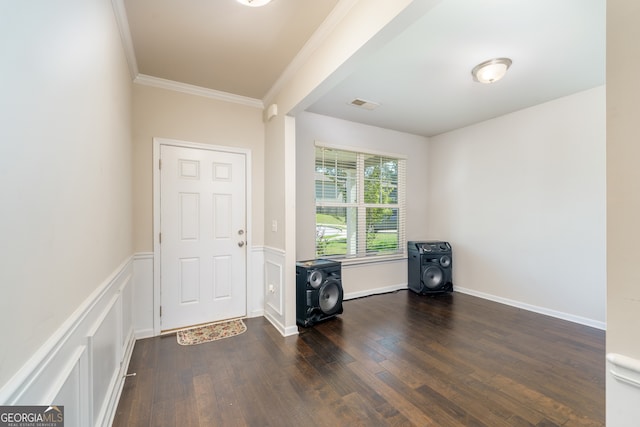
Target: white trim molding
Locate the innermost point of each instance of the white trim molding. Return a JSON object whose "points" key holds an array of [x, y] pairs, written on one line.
{"points": [[143, 295], [624, 368], [146, 80], [274, 282], [623, 390], [122, 19], [541, 310], [82, 365], [338, 13]]}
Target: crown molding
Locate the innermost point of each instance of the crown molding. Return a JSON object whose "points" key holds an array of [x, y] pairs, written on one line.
{"points": [[122, 20], [125, 34], [328, 25], [146, 80]]}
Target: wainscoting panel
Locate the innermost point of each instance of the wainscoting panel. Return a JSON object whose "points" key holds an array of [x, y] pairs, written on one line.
{"points": [[274, 260], [104, 352], [82, 365], [273, 274], [75, 389], [126, 313], [143, 295], [623, 390]]}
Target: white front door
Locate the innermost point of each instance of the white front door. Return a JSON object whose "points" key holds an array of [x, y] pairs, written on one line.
{"points": [[203, 236]]}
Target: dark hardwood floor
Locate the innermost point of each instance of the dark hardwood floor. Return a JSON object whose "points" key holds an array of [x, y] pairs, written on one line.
{"points": [[396, 359]]}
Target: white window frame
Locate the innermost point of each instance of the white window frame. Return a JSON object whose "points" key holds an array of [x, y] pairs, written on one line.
{"points": [[361, 207]]}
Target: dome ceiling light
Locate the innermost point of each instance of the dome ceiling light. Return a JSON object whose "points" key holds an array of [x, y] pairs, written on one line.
{"points": [[253, 3], [491, 71]]}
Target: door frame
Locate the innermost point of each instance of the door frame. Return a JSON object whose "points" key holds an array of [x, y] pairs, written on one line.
{"points": [[157, 143]]}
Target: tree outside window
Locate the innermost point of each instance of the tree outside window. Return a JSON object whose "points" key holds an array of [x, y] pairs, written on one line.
{"points": [[359, 204]]}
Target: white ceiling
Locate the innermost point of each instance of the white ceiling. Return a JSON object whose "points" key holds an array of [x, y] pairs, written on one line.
{"points": [[421, 78]]}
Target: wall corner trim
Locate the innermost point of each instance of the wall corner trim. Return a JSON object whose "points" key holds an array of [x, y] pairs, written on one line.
{"points": [[624, 368]]}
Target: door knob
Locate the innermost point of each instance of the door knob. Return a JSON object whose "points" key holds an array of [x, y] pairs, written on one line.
{"points": [[241, 243]]}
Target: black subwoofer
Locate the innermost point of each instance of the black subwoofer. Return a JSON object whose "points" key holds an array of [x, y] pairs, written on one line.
{"points": [[318, 291], [430, 267]]}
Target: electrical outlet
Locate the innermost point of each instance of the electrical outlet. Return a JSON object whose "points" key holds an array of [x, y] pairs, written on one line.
{"points": [[274, 225], [272, 289]]}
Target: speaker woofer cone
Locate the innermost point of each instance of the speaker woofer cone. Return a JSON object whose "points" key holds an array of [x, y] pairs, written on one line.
{"points": [[445, 261], [432, 277], [329, 297], [315, 279]]}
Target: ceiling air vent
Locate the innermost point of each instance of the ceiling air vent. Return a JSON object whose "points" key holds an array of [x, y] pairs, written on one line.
{"points": [[367, 105]]}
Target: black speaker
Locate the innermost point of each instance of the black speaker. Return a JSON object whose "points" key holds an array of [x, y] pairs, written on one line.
{"points": [[430, 267], [318, 291]]}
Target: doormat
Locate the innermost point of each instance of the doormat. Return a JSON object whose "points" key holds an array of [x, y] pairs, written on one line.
{"points": [[211, 332]]}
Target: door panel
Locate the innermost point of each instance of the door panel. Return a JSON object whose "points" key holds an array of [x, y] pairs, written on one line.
{"points": [[202, 224]]}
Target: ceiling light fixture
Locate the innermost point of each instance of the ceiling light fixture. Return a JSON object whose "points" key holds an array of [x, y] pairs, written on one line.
{"points": [[253, 3], [491, 71]]}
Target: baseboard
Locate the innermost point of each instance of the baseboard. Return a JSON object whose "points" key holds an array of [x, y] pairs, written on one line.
{"points": [[82, 364], [284, 331], [144, 333], [541, 310], [256, 313]]}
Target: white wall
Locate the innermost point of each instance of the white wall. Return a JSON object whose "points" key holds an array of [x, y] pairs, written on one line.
{"points": [[65, 166], [623, 211], [370, 278], [522, 200]]}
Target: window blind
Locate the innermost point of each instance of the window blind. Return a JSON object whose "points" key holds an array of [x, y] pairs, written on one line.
{"points": [[360, 203]]}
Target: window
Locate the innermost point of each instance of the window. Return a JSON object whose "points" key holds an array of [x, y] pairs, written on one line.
{"points": [[360, 203]]}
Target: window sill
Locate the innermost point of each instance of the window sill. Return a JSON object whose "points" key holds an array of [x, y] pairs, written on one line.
{"points": [[369, 260]]}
